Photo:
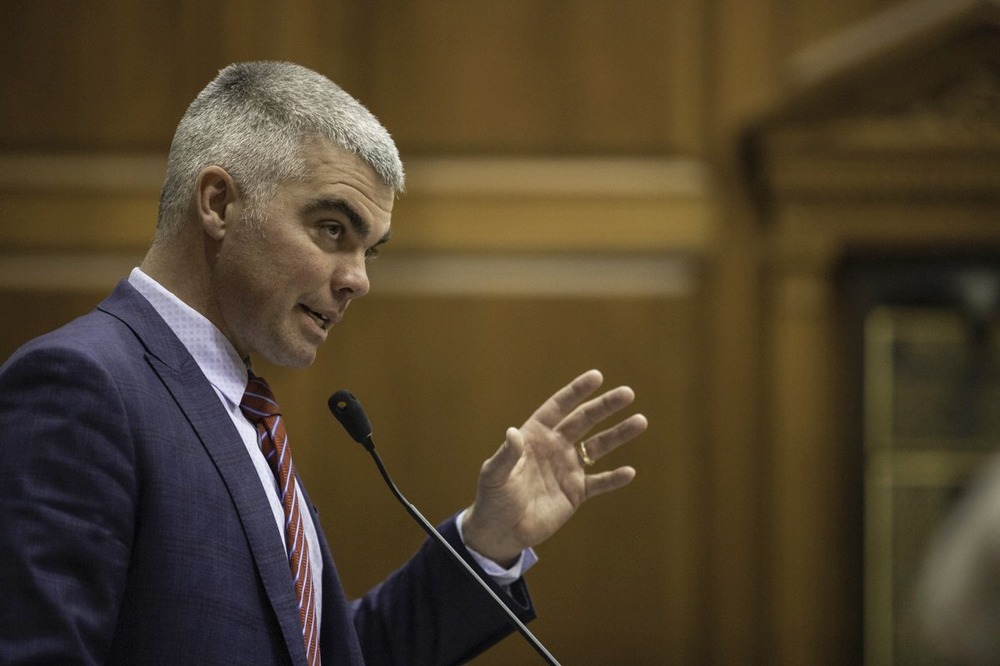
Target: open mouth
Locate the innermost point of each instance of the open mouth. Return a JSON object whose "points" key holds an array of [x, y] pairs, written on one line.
{"points": [[323, 321]]}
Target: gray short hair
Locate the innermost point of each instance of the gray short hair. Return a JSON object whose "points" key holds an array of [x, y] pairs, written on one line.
{"points": [[253, 120]]}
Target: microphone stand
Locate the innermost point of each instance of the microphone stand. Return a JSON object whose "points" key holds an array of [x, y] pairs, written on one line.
{"points": [[348, 410], [369, 445]]}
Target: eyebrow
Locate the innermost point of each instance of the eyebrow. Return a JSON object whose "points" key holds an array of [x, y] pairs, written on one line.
{"points": [[358, 223]]}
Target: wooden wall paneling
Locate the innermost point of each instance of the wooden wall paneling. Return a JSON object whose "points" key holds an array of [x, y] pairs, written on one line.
{"points": [[620, 293], [882, 151], [310, 32], [689, 64], [85, 75], [524, 78], [462, 205], [76, 222], [623, 583], [442, 376], [735, 593], [625, 580], [38, 313], [812, 514], [803, 23], [556, 205], [744, 74], [743, 78], [535, 78], [78, 204]]}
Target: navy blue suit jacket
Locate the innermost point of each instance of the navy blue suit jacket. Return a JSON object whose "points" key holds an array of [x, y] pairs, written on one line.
{"points": [[134, 529]]}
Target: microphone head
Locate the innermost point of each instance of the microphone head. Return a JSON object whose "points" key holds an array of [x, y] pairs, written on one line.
{"points": [[348, 410]]}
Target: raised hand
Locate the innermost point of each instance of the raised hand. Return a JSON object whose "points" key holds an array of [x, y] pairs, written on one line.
{"points": [[538, 477]]}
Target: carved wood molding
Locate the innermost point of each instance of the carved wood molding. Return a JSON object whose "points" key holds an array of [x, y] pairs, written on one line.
{"points": [[916, 24], [906, 106]]}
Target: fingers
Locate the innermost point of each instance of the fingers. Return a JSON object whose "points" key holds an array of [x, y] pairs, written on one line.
{"points": [[566, 399], [573, 393], [605, 482], [498, 467], [606, 441], [580, 421]]}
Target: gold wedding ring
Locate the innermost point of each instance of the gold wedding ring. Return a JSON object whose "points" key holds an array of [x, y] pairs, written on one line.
{"points": [[581, 448]]}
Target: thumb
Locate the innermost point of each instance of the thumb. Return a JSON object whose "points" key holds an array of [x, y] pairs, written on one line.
{"points": [[498, 467]]}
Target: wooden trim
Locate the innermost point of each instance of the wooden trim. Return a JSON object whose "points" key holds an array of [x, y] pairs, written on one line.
{"points": [[575, 276], [121, 174], [590, 177], [428, 176], [875, 39], [602, 205], [434, 275]]}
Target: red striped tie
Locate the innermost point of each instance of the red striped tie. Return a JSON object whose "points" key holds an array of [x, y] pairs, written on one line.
{"points": [[261, 409]]}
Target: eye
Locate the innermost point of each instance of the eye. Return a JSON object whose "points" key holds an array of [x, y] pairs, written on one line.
{"points": [[333, 229], [371, 254]]}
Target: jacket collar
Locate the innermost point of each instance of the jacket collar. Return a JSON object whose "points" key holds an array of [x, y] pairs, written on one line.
{"points": [[196, 398]]}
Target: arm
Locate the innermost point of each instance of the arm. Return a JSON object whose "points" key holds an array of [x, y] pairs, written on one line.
{"points": [[66, 498], [428, 612]]}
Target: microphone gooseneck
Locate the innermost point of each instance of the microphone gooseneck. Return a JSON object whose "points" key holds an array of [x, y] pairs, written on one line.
{"points": [[348, 410]]}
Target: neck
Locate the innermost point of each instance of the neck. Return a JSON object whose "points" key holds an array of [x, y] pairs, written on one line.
{"points": [[176, 265]]}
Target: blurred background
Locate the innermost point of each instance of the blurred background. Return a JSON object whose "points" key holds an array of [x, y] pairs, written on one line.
{"points": [[775, 219]]}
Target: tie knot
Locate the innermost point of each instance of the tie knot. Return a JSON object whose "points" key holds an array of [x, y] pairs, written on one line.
{"points": [[258, 401]]}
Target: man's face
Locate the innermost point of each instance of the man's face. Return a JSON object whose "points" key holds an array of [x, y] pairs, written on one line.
{"points": [[281, 285]]}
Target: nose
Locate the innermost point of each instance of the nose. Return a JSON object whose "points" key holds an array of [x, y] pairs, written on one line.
{"points": [[351, 277]]}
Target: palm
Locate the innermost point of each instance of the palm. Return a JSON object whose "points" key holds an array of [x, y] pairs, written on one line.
{"points": [[537, 481]]}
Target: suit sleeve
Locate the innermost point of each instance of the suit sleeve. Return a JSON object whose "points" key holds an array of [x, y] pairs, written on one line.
{"points": [[431, 612], [67, 497]]}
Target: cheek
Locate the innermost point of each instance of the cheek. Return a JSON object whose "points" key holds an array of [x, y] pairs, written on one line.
{"points": [[304, 271], [246, 284], [273, 275]]}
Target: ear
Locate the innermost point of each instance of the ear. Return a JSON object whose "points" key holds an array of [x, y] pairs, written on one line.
{"points": [[217, 201]]}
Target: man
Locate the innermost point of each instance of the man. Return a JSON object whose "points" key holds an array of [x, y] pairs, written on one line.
{"points": [[151, 513]]}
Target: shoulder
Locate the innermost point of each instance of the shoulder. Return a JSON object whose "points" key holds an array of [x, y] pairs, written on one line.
{"points": [[97, 358], [91, 341], [115, 336]]}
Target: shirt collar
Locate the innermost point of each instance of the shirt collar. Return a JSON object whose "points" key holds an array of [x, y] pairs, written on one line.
{"points": [[214, 354]]}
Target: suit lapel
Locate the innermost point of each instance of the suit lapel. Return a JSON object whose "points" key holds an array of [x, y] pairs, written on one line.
{"points": [[200, 405]]}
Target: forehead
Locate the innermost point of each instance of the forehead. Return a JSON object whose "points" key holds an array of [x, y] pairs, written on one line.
{"points": [[333, 173]]}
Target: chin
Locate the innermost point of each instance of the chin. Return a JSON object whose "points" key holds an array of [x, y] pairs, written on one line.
{"points": [[289, 358], [300, 362]]}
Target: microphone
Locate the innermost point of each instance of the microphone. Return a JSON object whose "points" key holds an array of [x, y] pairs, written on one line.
{"points": [[351, 415], [348, 410]]}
